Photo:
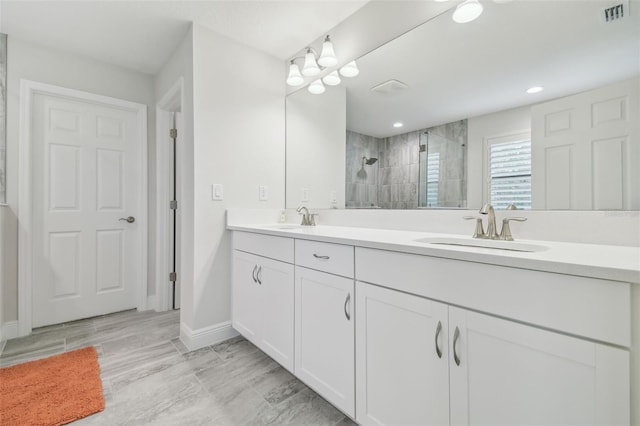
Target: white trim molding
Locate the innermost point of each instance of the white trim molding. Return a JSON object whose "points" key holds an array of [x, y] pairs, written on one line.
{"points": [[172, 101], [206, 336], [28, 89], [9, 331]]}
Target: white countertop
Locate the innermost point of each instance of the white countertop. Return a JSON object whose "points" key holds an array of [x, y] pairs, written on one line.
{"points": [[617, 263]]}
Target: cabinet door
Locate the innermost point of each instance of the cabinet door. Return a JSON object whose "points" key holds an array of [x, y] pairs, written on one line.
{"points": [[246, 308], [506, 373], [402, 367], [325, 336], [276, 298]]}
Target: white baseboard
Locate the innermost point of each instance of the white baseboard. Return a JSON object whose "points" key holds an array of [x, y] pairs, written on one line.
{"points": [[8, 331], [152, 303], [206, 336]]}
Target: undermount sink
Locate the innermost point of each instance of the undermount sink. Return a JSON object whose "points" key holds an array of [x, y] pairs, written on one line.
{"points": [[284, 226], [490, 244]]}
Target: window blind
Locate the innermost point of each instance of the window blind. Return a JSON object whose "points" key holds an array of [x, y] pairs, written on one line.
{"points": [[510, 174], [433, 179]]}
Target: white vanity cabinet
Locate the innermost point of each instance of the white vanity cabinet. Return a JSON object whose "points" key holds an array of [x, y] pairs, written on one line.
{"points": [[493, 371], [263, 294], [324, 321], [402, 358], [506, 373]]}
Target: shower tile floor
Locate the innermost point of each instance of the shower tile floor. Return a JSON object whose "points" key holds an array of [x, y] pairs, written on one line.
{"points": [[149, 377]]}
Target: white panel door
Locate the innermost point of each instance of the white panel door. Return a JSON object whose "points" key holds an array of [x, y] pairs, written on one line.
{"points": [[402, 359], [86, 162], [585, 150], [506, 373], [324, 339]]}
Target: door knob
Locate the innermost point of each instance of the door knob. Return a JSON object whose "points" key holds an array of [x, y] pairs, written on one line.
{"points": [[129, 219]]}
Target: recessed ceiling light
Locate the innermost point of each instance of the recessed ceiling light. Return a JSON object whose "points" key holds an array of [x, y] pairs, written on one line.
{"points": [[535, 89], [398, 124]]}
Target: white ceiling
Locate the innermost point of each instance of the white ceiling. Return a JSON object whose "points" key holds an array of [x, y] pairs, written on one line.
{"points": [[456, 71], [141, 35]]}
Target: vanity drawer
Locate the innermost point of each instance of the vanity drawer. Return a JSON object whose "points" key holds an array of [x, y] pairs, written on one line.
{"points": [[278, 248], [589, 307], [327, 257]]}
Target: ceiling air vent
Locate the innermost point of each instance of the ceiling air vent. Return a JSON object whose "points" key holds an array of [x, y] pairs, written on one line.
{"points": [[389, 88], [616, 12]]}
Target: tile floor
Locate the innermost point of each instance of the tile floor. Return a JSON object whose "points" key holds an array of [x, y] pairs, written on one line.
{"points": [[149, 377]]}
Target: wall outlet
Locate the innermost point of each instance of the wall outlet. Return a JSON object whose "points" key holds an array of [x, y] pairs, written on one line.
{"points": [[217, 192], [263, 193], [333, 197], [305, 195]]}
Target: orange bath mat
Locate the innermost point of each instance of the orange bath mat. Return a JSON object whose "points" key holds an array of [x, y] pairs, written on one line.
{"points": [[51, 391]]}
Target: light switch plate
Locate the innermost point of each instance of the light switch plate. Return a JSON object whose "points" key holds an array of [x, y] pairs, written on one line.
{"points": [[217, 192], [263, 193], [305, 194]]}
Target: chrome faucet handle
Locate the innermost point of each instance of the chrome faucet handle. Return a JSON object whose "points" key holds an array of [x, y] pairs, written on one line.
{"points": [[505, 233], [312, 219], [479, 232]]}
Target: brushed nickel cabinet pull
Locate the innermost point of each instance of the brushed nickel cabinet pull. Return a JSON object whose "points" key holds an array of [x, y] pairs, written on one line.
{"points": [[456, 336], [346, 304], [253, 274], [258, 275], [317, 256], [438, 331]]}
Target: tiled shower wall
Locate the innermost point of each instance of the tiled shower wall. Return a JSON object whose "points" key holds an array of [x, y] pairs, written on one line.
{"points": [[362, 180], [396, 179], [399, 168]]}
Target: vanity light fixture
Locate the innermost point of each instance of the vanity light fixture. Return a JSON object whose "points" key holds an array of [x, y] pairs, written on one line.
{"points": [[316, 87], [313, 67], [397, 124], [535, 89], [328, 56], [467, 11], [350, 69], [310, 67], [294, 78], [331, 79]]}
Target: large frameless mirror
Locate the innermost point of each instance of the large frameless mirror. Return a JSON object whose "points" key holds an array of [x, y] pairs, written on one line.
{"points": [[573, 145]]}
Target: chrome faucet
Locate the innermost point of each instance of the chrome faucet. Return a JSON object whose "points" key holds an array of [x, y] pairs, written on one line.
{"points": [[492, 232], [308, 219]]}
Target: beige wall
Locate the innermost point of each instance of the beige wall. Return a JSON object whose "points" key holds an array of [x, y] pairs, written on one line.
{"points": [[32, 62]]}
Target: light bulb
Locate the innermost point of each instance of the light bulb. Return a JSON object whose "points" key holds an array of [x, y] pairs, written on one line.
{"points": [[310, 67], [316, 87], [295, 78], [467, 11], [535, 89], [331, 79], [350, 70], [328, 56]]}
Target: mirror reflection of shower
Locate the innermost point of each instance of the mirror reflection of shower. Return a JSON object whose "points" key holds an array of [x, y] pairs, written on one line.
{"points": [[368, 161]]}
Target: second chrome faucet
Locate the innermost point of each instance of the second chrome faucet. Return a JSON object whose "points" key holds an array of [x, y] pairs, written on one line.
{"points": [[492, 230]]}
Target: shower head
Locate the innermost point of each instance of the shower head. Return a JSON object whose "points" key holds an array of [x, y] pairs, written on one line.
{"points": [[368, 161]]}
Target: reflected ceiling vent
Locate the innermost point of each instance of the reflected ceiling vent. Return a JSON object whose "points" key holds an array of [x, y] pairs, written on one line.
{"points": [[616, 12], [389, 88]]}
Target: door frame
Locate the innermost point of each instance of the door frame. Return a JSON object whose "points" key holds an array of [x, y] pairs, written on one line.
{"points": [[171, 101], [28, 89]]}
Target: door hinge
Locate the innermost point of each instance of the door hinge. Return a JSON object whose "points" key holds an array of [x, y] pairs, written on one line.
{"points": [[173, 133], [173, 205], [173, 277]]}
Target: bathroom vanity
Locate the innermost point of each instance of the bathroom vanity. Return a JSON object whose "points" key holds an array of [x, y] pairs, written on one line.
{"points": [[406, 328]]}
